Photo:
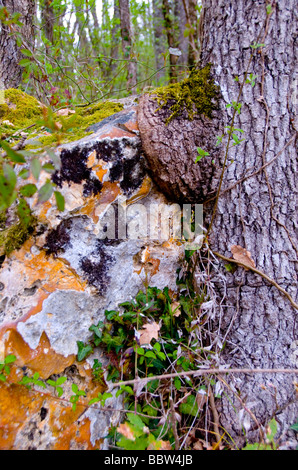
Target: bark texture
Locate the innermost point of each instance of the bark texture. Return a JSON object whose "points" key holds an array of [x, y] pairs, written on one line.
{"points": [[171, 151], [10, 55], [257, 321]]}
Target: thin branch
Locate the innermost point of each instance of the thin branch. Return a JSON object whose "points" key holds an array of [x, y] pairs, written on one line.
{"points": [[205, 372], [260, 273]]}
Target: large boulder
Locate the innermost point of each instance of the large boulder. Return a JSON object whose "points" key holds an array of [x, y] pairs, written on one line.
{"points": [[77, 264]]}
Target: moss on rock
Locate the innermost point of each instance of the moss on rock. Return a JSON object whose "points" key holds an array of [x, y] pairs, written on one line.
{"points": [[19, 109], [197, 94], [13, 236]]}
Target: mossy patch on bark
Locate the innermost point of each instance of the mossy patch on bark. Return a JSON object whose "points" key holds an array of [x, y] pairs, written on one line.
{"points": [[196, 94]]}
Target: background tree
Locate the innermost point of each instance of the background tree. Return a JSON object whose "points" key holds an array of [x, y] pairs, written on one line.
{"points": [[127, 43]]}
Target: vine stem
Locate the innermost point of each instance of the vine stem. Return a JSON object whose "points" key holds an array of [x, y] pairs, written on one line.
{"points": [[260, 273], [199, 372]]}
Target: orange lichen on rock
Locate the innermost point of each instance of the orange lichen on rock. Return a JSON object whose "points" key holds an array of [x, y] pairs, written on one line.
{"points": [[42, 359], [16, 404], [32, 267]]}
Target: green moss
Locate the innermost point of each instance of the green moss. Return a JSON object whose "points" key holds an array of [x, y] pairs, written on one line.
{"points": [[197, 94], [19, 108], [74, 126], [23, 110], [14, 236]]}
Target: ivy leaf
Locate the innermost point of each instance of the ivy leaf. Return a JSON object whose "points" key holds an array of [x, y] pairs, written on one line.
{"points": [[28, 190], [45, 192], [35, 167], [60, 201], [83, 350], [12, 154]]}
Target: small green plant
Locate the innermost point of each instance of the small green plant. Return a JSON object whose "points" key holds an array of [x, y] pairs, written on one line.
{"points": [[57, 385], [34, 380], [4, 367], [76, 397], [201, 153], [269, 443], [101, 398]]}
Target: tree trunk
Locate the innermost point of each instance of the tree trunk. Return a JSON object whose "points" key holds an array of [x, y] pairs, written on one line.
{"points": [[160, 46], [115, 38], [256, 320], [183, 40], [172, 41], [10, 54], [48, 19], [127, 44], [192, 17], [251, 322]]}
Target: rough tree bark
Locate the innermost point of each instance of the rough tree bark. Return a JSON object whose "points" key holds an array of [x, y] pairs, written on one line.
{"points": [[260, 213], [254, 319], [10, 55]]}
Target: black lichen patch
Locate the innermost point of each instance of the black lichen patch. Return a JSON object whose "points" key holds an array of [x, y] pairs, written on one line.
{"points": [[92, 187], [96, 272], [58, 238], [73, 166], [110, 150], [134, 171]]}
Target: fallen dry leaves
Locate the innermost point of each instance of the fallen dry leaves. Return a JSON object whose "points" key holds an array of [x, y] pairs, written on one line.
{"points": [[149, 331], [242, 255], [65, 112], [125, 430]]}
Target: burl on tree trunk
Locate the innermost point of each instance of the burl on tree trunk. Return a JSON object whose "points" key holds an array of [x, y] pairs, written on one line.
{"points": [[252, 323]]}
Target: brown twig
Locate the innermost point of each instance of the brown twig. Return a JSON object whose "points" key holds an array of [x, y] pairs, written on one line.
{"points": [[260, 273], [199, 372]]}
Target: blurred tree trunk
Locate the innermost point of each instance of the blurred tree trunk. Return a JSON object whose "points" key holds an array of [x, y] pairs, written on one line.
{"points": [[160, 43], [115, 37], [10, 54], [127, 44], [48, 19], [169, 22], [192, 19], [182, 40]]}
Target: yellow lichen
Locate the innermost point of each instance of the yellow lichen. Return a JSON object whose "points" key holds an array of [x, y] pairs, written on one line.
{"points": [[197, 94]]}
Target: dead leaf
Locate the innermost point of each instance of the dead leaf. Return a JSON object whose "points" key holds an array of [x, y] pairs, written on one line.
{"points": [[201, 399], [58, 126], [198, 446], [160, 445], [165, 445], [175, 307], [125, 430], [65, 112], [149, 331], [242, 255]]}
